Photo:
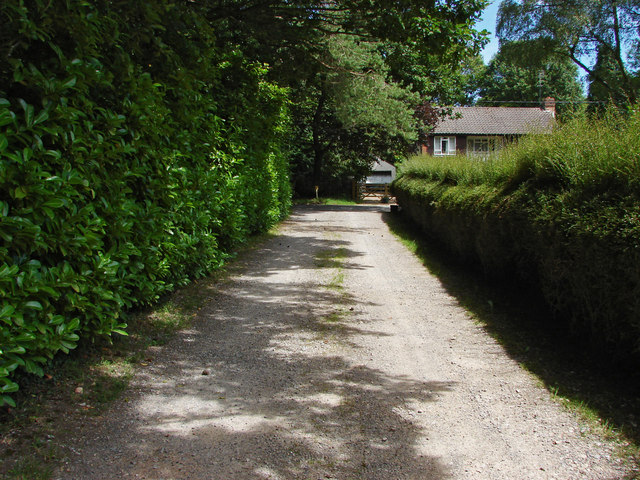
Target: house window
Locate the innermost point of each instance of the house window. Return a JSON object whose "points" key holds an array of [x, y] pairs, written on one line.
{"points": [[483, 145], [444, 146]]}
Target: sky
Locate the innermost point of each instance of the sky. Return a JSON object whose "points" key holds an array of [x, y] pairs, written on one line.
{"points": [[488, 22]]}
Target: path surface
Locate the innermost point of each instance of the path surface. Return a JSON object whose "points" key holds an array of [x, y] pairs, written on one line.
{"points": [[331, 353]]}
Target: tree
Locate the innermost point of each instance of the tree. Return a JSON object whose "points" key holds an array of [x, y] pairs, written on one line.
{"points": [[348, 106], [473, 73], [514, 76], [355, 70], [578, 30], [349, 112], [605, 72]]}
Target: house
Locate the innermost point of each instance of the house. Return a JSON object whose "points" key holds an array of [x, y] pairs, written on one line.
{"points": [[479, 130]]}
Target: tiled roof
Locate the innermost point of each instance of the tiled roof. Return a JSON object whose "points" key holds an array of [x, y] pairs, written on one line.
{"points": [[495, 121]]}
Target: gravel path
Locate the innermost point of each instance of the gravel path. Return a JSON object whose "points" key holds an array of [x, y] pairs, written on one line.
{"points": [[331, 353]]}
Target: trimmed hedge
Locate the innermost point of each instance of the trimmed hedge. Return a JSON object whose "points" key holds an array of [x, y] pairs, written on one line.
{"points": [[561, 212], [135, 154]]}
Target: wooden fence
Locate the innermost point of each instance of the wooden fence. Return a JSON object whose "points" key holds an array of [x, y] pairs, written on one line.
{"points": [[377, 191]]}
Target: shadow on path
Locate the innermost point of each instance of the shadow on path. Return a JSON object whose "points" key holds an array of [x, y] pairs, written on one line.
{"points": [[340, 208], [262, 386], [525, 328]]}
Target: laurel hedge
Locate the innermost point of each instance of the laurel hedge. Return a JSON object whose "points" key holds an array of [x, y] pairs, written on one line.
{"points": [[135, 154], [559, 212]]}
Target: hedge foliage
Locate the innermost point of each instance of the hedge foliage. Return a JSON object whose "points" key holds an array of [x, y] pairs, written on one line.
{"points": [[560, 211], [135, 153]]}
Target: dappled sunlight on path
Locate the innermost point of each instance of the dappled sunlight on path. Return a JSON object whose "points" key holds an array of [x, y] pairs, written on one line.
{"points": [[330, 352]]}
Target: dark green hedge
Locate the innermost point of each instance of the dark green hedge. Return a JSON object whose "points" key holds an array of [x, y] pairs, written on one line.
{"points": [[564, 218], [135, 154]]}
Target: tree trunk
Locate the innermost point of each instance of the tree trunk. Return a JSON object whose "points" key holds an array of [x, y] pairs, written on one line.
{"points": [[318, 148]]}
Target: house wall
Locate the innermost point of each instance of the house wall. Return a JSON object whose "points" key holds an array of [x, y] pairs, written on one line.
{"points": [[381, 177], [461, 144]]}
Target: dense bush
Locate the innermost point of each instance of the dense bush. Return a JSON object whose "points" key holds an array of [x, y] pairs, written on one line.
{"points": [[560, 211], [134, 155]]}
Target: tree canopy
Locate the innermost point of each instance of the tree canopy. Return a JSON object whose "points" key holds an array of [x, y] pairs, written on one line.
{"points": [[356, 71], [516, 76], [142, 141], [580, 30]]}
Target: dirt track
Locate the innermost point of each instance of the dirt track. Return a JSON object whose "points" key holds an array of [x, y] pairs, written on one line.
{"points": [[331, 352]]}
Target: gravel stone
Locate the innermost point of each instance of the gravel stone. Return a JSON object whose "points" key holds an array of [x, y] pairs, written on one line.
{"points": [[332, 353]]}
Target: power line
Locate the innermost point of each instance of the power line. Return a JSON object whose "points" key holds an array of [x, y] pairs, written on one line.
{"points": [[538, 103]]}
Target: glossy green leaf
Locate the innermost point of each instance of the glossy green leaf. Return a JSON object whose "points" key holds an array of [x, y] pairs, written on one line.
{"points": [[41, 117], [28, 112], [33, 304], [5, 118], [10, 388], [20, 192], [6, 311], [69, 83], [54, 203]]}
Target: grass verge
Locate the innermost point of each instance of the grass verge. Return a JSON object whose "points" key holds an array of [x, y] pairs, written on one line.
{"points": [[606, 400], [325, 201]]}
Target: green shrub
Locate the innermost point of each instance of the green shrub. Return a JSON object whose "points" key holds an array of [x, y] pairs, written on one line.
{"points": [[560, 211], [135, 154]]}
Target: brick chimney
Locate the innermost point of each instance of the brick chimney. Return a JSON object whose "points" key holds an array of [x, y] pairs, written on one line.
{"points": [[549, 105]]}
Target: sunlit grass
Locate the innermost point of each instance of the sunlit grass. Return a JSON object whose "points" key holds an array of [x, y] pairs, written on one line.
{"points": [[325, 201], [586, 154]]}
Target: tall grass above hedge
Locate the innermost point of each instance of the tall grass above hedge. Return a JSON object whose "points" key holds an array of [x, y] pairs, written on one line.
{"points": [[559, 211], [135, 154]]}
